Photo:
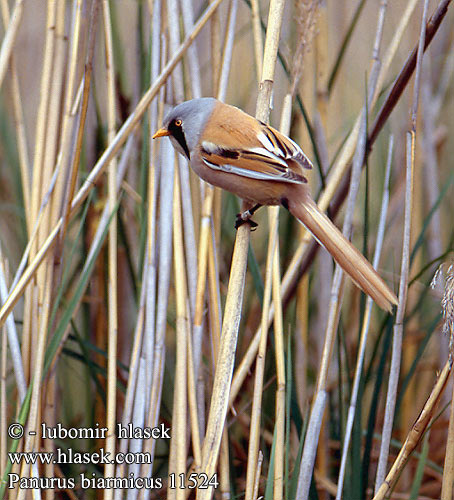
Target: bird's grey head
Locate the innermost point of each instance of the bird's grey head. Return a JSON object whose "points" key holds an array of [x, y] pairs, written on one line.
{"points": [[187, 121]]}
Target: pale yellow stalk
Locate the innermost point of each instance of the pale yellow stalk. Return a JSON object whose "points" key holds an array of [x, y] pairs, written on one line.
{"points": [[3, 401], [255, 431], [224, 367], [66, 179], [32, 440], [178, 443], [447, 487], [22, 147], [257, 36], [279, 449], [112, 294], [10, 37]]}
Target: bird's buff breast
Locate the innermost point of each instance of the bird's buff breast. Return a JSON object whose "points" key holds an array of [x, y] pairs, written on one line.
{"points": [[250, 190]]}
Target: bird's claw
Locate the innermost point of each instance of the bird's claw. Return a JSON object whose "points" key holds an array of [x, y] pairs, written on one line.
{"points": [[245, 218]]}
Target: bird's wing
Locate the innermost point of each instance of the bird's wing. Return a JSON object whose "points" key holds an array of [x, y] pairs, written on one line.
{"points": [[282, 146], [255, 163], [273, 157], [237, 143]]}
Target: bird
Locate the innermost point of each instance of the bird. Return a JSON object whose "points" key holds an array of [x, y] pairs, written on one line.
{"points": [[230, 149]]}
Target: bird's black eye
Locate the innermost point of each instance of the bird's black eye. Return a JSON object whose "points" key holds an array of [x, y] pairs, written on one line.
{"points": [[178, 123]]}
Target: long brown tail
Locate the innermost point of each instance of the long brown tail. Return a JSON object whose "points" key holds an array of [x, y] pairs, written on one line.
{"points": [[344, 253]]}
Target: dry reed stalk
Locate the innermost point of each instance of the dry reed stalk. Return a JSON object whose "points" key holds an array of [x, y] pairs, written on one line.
{"points": [[228, 49], [112, 255], [132, 382], [39, 185], [317, 89], [405, 266], [49, 416], [3, 400], [410, 341], [79, 133], [215, 47], [120, 138], [197, 330], [398, 328], [416, 433], [193, 410], [365, 328], [215, 310], [10, 37], [320, 98], [308, 91], [204, 241], [224, 466], [173, 28], [13, 338], [430, 166], [34, 316], [214, 295], [193, 61], [447, 305], [22, 146], [256, 412], [280, 415], [52, 137], [257, 477], [68, 170], [447, 488], [279, 450], [153, 348], [178, 443], [321, 394], [54, 113], [164, 244], [321, 64], [190, 240], [257, 37], [215, 321], [302, 338], [224, 368], [31, 440]]}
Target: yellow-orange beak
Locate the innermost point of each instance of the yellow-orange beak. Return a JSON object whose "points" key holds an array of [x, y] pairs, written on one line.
{"points": [[161, 133]]}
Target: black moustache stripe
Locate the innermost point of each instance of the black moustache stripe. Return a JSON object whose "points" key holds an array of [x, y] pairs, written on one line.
{"points": [[177, 132]]}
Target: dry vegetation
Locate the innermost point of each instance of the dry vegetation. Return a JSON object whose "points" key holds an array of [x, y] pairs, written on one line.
{"points": [[127, 295]]}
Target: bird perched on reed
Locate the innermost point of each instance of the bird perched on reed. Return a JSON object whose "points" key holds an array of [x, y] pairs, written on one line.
{"points": [[233, 150]]}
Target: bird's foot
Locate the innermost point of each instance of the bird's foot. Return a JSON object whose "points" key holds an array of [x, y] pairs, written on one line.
{"points": [[245, 217], [240, 220]]}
